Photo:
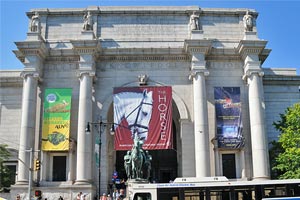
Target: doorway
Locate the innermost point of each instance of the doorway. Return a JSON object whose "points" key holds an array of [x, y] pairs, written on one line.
{"points": [[59, 168], [229, 166]]}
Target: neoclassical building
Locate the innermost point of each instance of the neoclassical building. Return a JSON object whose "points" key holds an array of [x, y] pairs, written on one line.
{"points": [[223, 101]]}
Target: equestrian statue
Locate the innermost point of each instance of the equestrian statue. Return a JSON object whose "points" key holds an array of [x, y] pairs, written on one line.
{"points": [[137, 162]]}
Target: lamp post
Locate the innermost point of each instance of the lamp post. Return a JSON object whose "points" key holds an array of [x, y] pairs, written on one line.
{"points": [[101, 125]]}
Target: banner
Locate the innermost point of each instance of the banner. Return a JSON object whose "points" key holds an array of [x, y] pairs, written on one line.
{"points": [[228, 117], [56, 119], [146, 112]]}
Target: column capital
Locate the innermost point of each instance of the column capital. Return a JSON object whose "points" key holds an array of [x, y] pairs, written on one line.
{"points": [[251, 72], [34, 74], [80, 73], [195, 72]]}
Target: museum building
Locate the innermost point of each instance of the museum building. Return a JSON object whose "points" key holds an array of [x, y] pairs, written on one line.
{"points": [[212, 104]]}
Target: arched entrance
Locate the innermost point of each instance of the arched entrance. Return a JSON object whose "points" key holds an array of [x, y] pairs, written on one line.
{"points": [[166, 164]]}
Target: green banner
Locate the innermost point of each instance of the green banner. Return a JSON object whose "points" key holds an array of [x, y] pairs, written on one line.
{"points": [[56, 119]]}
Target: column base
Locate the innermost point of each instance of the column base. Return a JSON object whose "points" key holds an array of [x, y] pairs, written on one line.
{"points": [[22, 182], [83, 182], [260, 178]]}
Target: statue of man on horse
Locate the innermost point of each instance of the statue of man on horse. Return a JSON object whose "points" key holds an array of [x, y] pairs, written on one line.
{"points": [[137, 161]]}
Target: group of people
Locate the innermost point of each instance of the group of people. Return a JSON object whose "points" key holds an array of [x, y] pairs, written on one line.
{"points": [[118, 194], [81, 196]]}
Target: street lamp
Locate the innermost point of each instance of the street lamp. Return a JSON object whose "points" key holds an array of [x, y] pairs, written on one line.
{"points": [[101, 125]]}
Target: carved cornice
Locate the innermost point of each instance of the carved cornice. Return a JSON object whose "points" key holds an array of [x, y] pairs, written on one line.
{"points": [[251, 47], [150, 58], [63, 59], [31, 48], [86, 46], [197, 46], [10, 78]]}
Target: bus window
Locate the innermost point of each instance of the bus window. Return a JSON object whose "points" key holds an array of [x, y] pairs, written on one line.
{"points": [[142, 196]]}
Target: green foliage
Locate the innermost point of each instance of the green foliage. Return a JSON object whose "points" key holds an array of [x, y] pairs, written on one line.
{"points": [[286, 150], [5, 173]]}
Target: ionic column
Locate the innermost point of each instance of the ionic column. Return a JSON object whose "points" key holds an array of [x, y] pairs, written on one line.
{"points": [[198, 74], [84, 140], [86, 49], [27, 124], [260, 157], [250, 51]]}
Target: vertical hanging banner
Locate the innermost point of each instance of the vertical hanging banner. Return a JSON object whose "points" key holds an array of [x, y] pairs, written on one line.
{"points": [[228, 117], [145, 112], [56, 119]]}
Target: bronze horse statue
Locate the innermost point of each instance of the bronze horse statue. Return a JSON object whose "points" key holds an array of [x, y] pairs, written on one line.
{"points": [[137, 158]]}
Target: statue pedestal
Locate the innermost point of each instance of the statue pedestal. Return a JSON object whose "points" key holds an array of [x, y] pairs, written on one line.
{"points": [[196, 34], [33, 36], [250, 35], [138, 180], [87, 35]]}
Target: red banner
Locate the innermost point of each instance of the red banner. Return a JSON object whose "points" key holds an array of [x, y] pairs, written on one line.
{"points": [[146, 112]]}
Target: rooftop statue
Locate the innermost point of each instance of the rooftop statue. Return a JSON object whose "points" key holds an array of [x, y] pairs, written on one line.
{"points": [[248, 22], [87, 22], [35, 24], [194, 21]]}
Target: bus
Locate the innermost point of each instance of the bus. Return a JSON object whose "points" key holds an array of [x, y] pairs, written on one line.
{"points": [[213, 188]]}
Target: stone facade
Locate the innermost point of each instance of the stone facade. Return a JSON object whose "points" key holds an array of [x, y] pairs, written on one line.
{"points": [[121, 44]]}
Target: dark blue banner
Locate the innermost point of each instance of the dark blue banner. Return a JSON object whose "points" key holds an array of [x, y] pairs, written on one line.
{"points": [[228, 117]]}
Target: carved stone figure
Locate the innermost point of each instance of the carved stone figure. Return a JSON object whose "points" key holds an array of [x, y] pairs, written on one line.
{"points": [[194, 21], [35, 24], [143, 78], [248, 22], [87, 22]]}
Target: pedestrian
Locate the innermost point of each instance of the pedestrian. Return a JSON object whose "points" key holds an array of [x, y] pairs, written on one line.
{"points": [[78, 197], [60, 198], [103, 197], [115, 194], [18, 197]]}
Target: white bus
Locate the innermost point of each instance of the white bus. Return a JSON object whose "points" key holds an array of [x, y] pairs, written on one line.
{"points": [[215, 188]]}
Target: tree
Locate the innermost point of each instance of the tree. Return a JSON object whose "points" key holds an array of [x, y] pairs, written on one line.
{"points": [[5, 173], [287, 149]]}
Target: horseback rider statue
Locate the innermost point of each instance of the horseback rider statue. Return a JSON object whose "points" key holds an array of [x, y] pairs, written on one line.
{"points": [[137, 161]]}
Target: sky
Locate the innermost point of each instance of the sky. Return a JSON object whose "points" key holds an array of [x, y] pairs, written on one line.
{"points": [[278, 22]]}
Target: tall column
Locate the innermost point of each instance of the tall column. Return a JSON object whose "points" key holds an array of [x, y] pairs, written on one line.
{"points": [[31, 54], [86, 50], [202, 158], [84, 140], [251, 51], [260, 157], [27, 124]]}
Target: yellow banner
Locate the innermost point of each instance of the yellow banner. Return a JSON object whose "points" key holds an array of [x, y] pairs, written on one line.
{"points": [[56, 119]]}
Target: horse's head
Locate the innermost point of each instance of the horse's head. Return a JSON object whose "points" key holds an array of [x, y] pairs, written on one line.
{"points": [[139, 120], [136, 109]]}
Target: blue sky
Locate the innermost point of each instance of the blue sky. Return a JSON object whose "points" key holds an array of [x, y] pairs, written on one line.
{"points": [[278, 23]]}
